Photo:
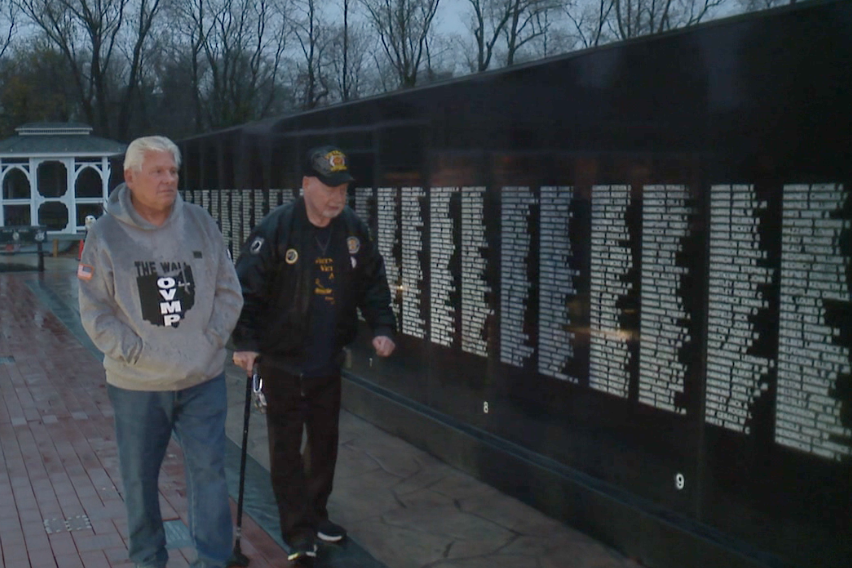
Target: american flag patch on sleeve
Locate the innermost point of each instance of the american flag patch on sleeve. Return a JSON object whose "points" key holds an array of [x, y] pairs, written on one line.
{"points": [[85, 272]]}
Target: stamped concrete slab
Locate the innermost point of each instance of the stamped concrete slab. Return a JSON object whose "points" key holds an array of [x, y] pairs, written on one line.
{"points": [[431, 512], [401, 547], [512, 514], [356, 499]]}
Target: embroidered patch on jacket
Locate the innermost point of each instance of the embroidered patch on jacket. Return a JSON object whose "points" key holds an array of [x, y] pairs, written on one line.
{"points": [[196, 254], [292, 256], [256, 245], [354, 244], [85, 272]]}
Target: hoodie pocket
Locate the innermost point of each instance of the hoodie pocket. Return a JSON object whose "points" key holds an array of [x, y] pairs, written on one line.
{"points": [[176, 359]]}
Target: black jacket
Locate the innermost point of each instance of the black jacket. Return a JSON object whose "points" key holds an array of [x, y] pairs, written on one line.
{"points": [[276, 283]]}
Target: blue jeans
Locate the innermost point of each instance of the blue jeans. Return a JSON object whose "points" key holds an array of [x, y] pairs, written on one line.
{"points": [[144, 422]]}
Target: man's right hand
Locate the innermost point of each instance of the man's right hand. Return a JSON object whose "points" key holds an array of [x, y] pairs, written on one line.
{"points": [[245, 360]]}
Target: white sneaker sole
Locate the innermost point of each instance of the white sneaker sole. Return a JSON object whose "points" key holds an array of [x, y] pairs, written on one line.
{"points": [[328, 538]]}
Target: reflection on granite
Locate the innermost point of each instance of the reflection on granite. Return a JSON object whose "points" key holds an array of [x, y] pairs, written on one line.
{"points": [[413, 510], [408, 509]]}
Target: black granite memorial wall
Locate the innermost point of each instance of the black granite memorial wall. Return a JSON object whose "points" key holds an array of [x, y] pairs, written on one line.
{"points": [[623, 279]]}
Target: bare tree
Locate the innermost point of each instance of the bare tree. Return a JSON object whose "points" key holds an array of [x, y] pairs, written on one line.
{"points": [[554, 38], [235, 54], [169, 85], [35, 85], [141, 19], [348, 57], [89, 34], [601, 21], [438, 59], [757, 5], [642, 17], [311, 34], [243, 51], [345, 82], [590, 19], [525, 24], [403, 27], [9, 21], [185, 40], [487, 20]]}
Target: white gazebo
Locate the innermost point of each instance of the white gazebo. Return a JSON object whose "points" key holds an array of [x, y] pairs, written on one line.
{"points": [[54, 174]]}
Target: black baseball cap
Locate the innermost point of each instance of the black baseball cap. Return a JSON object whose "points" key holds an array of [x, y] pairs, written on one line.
{"points": [[328, 164]]}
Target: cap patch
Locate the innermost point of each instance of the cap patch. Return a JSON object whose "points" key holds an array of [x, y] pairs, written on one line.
{"points": [[336, 161]]}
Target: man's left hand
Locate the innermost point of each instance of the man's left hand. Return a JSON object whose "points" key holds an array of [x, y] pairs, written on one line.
{"points": [[384, 345]]}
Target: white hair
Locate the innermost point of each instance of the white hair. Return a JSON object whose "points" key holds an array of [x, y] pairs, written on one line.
{"points": [[135, 154]]}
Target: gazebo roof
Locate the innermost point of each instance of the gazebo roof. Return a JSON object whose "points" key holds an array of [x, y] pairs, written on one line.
{"points": [[40, 138]]}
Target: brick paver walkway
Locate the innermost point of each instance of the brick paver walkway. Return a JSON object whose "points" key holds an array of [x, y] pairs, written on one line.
{"points": [[60, 491]]}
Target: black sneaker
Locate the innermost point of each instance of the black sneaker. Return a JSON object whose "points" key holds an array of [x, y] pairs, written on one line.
{"points": [[302, 550], [303, 562], [330, 532]]}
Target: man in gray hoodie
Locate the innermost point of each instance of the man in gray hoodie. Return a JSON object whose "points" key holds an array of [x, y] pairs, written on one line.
{"points": [[159, 296]]}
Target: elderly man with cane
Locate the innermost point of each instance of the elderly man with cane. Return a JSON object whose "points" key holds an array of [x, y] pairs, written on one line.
{"points": [[305, 270]]}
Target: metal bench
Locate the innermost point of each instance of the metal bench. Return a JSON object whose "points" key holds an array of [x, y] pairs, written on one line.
{"points": [[23, 239], [64, 240]]}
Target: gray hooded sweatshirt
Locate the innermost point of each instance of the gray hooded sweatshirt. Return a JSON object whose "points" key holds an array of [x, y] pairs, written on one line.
{"points": [[159, 301]]}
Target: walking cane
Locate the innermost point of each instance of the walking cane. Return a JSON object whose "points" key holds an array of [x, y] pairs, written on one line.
{"points": [[237, 557]]}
